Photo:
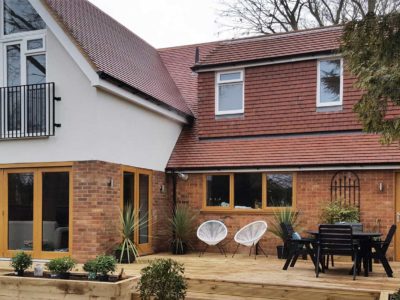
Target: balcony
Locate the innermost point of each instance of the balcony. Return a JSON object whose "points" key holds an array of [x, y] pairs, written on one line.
{"points": [[27, 111]]}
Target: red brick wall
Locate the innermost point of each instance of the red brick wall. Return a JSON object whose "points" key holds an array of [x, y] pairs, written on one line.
{"points": [[96, 209], [278, 99], [162, 210], [313, 192]]}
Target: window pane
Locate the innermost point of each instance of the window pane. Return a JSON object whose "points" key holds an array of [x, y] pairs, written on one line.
{"points": [[129, 189], [35, 44], [36, 69], [218, 190], [20, 211], [230, 76], [144, 209], [19, 16], [230, 96], [279, 190], [248, 190], [13, 65], [55, 212], [329, 81]]}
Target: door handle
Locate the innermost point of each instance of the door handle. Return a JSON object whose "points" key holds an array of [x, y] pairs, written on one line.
{"points": [[398, 217]]}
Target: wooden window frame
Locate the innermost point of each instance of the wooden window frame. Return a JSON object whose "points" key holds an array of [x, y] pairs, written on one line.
{"points": [[231, 209]]}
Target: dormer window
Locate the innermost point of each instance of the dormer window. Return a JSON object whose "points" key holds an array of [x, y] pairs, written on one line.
{"points": [[330, 82], [229, 93], [20, 16]]}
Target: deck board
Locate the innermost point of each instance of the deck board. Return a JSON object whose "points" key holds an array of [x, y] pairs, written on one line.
{"points": [[217, 277]]}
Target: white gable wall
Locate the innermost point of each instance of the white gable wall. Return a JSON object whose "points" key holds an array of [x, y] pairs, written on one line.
{"points": [[96, 125]]}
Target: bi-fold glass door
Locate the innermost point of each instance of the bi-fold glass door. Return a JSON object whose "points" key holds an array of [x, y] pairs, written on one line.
{"points": [[137, 194], [36, 212]]}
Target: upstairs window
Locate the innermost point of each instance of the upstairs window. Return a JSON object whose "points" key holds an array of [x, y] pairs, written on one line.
{"points": [[330, 83], [229, 93], [20, 16]]}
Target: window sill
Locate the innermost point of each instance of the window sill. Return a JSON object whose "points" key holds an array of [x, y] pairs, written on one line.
{"points": [[229, 116], [333, 108], [265, 211]]}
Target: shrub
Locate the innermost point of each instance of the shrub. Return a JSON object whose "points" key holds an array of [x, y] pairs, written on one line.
{"points": [[61, 265], [396, 296], [91, 267], [21, 261], [340, 212], [163, 279], [105, 264]]}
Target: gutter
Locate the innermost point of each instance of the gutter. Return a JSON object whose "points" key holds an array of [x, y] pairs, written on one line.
{"points": [[247, 169]]}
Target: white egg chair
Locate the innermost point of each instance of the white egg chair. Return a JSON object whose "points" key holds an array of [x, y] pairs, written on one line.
{"points": [[250, 236], [212, 233]]}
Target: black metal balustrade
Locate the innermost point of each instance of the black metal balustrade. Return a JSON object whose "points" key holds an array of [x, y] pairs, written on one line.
{"points": [[27, 111]]}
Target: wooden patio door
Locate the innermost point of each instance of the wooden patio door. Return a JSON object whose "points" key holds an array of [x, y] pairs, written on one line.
{"points": [[36, 213], [136, 192]]}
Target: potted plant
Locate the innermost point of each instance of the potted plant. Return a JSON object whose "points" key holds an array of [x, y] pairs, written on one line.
{"points": [[91, 268], [127, 251], [20, 262], [104, 264], [336, 211], [285, 215], [60, 267], [183, 227], [162, 279]]}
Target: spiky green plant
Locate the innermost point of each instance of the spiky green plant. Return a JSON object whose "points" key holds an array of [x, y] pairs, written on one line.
{"points": [[285, 215], [183, 226], [128, 227]]}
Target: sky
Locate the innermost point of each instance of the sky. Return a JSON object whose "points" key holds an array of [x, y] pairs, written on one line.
{"points": [[166, 23]]}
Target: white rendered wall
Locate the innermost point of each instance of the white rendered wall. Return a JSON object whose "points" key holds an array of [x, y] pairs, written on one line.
{"points": [[95, 125]]}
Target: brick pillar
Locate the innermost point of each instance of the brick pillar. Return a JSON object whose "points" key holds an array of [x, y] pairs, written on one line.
{"points": [[95, 208]]}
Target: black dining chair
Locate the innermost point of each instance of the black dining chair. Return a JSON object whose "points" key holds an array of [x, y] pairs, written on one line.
{"points": [[380, 249], [295, 246], [337, 240]]}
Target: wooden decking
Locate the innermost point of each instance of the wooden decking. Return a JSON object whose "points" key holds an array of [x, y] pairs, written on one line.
{"points": [[216, 277]]}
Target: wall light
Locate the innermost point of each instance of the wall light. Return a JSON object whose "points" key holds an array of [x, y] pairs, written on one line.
{"points": [[183, 176], [381, 186], [111, 182]]}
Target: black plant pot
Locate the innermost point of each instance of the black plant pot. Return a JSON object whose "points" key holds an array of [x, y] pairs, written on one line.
{"points": [[20, 273], [281, 252], [179, 248], [63, 275], [103, 278], [124, 257]]}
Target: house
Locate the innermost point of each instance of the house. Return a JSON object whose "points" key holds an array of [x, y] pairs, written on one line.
{"points": [[94, 118]]}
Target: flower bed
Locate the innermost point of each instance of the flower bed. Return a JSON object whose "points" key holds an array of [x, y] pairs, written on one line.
{"points": [[77, 287]]}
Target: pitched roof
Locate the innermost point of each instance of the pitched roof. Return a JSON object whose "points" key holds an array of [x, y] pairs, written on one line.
{"points": [[290, 151], [303, 42], [178, 61], [114, 50]]}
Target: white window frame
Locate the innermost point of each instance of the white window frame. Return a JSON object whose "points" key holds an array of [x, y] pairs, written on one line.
{"points": [[332, 103], [219, 82]]}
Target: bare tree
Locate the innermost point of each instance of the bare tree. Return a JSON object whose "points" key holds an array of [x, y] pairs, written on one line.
{"points": [[270, 16]]}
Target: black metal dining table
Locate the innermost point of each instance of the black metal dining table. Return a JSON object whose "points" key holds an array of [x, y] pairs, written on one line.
{"points": [[365, 239]]}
